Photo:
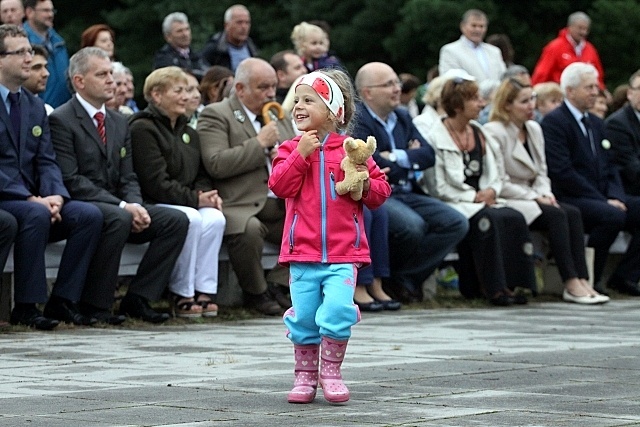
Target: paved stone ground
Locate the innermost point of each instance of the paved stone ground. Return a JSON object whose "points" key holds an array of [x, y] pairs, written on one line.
{"points": [[547, 364]]}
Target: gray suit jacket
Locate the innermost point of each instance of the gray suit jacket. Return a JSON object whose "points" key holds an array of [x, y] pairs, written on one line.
{"points": [[234, 158], [460, 55], [92, 171]]}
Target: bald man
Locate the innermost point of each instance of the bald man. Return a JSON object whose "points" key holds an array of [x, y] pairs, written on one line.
{"points": [[422, 229], [237, 150]]}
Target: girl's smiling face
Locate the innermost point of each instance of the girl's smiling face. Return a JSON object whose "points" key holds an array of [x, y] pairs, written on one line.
{"points": [[310, 112]]}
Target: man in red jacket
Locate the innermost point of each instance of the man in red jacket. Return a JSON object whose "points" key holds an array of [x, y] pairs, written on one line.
{"points": [[570, 46]]}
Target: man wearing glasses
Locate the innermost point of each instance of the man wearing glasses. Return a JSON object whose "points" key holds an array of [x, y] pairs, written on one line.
{"points": [[39, 29], [32, 190], [422, 229]]}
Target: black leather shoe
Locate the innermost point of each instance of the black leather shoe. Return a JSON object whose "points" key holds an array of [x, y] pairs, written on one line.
{"points": [[626, 287], [370, 306], [138, 307], [280, 294], [263, 303], [390, 304], [102, 316], [501, 300], [66, 311], [32, 317]]}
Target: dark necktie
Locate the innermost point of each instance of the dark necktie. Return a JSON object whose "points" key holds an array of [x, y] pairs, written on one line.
{"points": [[260, 120], [587, 125], [14, 114], [99, 116]]}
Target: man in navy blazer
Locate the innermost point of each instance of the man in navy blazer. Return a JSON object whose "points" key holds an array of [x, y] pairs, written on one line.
{"points": [[583, 174], [422, 229], [31, 189], [623, 130]]}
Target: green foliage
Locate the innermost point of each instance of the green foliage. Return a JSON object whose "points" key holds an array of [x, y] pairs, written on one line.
{"points": [[407, 34]]}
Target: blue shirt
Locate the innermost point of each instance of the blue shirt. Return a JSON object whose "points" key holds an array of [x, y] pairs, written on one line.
{"points": [[57, 91]]}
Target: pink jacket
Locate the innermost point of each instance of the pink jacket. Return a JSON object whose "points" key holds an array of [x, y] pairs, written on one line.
{"points": [[559, 53], [321, 226]]}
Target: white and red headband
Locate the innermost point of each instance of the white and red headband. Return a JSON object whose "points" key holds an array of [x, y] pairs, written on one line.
{"points": [[328, 90]]}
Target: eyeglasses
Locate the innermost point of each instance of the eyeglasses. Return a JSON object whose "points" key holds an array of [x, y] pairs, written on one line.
{"points": [[390, 83], [54, 11], [20, 52]]}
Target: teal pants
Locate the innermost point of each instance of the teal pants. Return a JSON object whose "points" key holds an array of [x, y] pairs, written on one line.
{"points": [[322, 297]]}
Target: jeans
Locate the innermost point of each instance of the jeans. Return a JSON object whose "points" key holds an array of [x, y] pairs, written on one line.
{"points": [[422, 231]]}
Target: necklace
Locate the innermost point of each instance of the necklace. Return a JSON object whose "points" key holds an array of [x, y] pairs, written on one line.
{"points": [[464, 148]]}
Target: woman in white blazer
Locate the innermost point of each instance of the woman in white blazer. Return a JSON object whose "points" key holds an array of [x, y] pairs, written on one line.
{"points": [[496, 254], [527, 187]]}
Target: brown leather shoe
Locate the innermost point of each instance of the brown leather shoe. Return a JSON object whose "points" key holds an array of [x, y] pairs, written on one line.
{"points": [[264, 303]]}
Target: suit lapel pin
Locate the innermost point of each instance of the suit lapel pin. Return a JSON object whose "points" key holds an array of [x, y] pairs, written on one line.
{"points": [[123, 152], [186, 138], [606, 144], [239, 116], [36, 131]]}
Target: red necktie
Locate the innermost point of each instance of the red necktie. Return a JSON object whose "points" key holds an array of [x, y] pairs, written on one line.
{"points": [[99, 116]]}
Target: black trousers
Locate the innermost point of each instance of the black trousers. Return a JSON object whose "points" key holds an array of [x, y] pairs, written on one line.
{"points": [[566, 238], [165, 234], [496, 253]]}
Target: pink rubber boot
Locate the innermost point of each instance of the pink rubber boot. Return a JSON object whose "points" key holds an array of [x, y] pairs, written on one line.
{"points": [[306, 371], [331, 357]]}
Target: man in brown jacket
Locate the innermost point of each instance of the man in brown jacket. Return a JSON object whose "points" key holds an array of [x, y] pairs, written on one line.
{"points": [[237, 150]]}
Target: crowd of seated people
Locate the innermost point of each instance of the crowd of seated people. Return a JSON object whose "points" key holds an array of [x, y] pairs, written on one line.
{"points": [[547, 152]]}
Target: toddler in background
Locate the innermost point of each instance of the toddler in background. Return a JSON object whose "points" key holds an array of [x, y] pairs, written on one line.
{"points": [[312, 44]]}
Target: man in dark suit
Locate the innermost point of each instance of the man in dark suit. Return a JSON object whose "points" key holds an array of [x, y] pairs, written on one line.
{"points": [[236, 151], [422, 229], [623, 131], [583, 175], [93, 146], [31, 189]]}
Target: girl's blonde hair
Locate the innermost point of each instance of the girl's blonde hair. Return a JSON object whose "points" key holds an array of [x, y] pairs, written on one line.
{"points": [[343, 81], [301, 32]]}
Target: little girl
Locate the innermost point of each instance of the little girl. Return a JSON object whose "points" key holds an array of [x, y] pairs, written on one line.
{"points": [[312, 45], [323, 241]]}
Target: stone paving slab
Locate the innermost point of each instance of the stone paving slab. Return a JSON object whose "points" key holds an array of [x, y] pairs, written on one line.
{"points": [[547, 364]]}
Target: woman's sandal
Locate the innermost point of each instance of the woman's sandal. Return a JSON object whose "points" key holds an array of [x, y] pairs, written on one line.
{"points": [[209, 308], [185, 307]]}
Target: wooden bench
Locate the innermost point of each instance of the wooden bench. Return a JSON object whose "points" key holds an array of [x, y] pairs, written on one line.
{"points": [[229, 292]]}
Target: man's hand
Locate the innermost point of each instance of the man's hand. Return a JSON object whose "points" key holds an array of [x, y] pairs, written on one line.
{"points": [[53, 204], [269, 135], [617, 204], [209, 199], [414, 144], [141, 219], [309, 142]]}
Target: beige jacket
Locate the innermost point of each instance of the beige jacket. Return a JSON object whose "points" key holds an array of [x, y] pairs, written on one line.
{"points": [[525, 179]]}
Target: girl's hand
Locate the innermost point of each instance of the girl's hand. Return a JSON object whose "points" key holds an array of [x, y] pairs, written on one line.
{"points": [[308, 143]]}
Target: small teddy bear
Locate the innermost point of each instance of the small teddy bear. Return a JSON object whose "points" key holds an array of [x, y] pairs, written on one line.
{"points": [[357, 152]]}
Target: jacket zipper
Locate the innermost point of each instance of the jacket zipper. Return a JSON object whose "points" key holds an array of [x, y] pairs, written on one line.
{"points": [[323, 202], [333, 186], [355, 220], [291, 231]]}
